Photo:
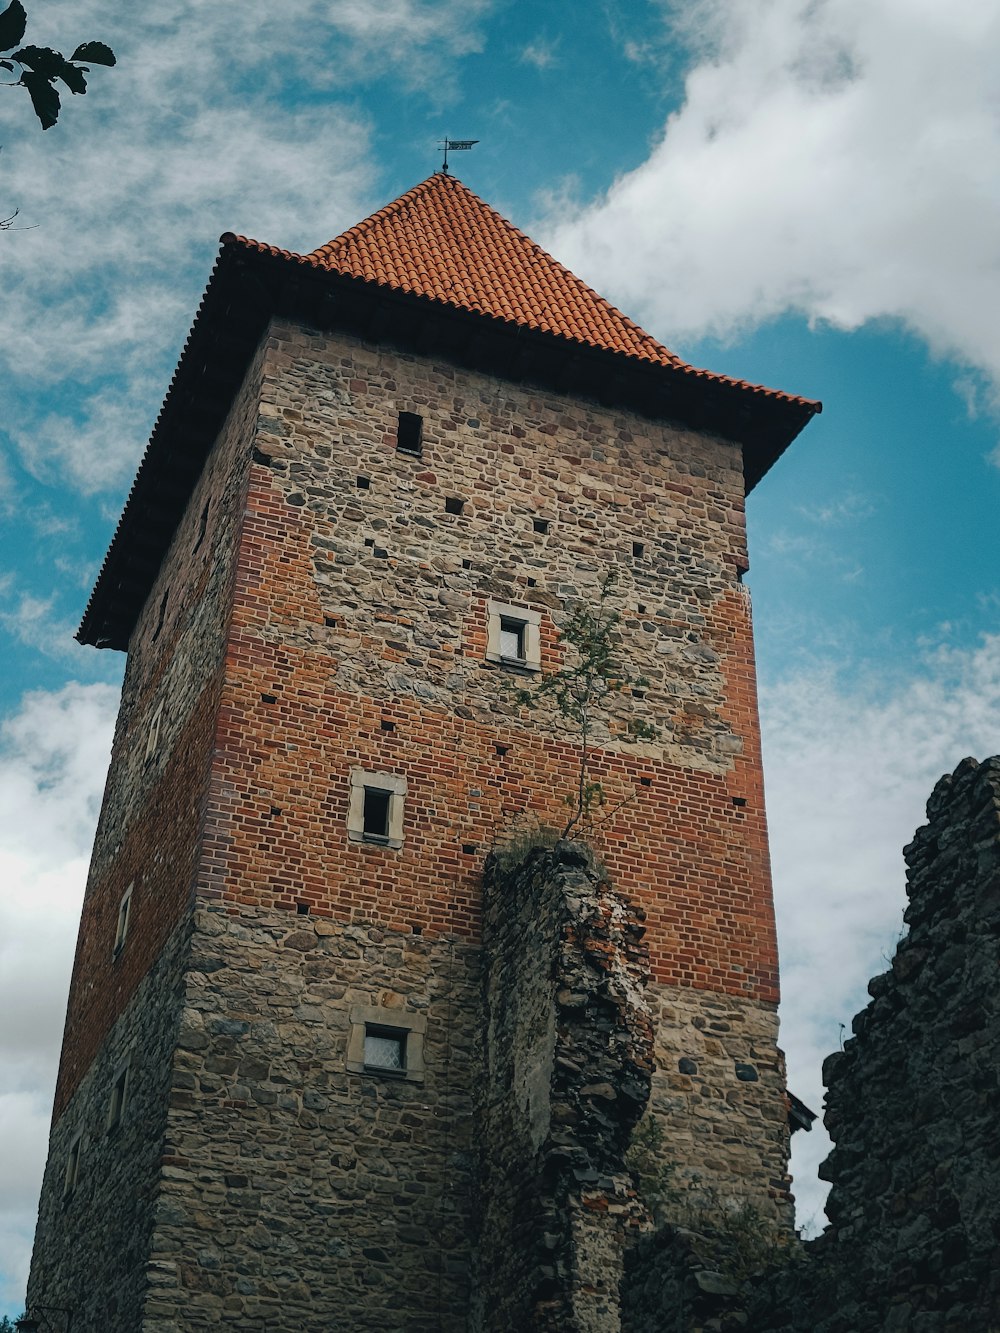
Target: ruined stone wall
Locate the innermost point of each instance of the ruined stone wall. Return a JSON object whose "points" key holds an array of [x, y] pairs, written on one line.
{"points": [[912, 1106], [297, 1194], [913, 1100], [567, 1065]]}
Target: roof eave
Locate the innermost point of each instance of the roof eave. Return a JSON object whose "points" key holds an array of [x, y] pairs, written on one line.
{"points": [[251, 284]]}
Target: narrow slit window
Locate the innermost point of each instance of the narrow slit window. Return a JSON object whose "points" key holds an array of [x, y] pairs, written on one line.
{"points": [[385, 1049], [410, 433], [72, 1176], [202, 528], [162, 614], [376, 812], [153, 735], [124, 914], [119, 1099], [512, 638]]}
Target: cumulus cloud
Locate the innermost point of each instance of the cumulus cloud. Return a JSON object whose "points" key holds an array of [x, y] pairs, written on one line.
{"points": [[53, 757], [834, 158], [848, 769]]}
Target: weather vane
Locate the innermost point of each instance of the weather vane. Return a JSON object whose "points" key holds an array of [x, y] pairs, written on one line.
{"points": [[452, 146]]}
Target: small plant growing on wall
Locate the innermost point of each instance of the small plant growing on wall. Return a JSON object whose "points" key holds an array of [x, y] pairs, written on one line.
{"points": [[593, 670]]}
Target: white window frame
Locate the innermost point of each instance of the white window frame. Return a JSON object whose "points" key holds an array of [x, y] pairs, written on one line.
{"points": [[528, 620], [408, 1026], [395, 785]]}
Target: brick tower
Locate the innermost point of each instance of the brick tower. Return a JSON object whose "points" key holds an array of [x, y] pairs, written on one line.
{"points": [[383, 474]]}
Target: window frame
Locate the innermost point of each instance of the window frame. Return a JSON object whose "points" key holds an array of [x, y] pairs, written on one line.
{"points": [[409, 1027], [119, 1099], [71, 1176], [394, 784], [529, 622]]}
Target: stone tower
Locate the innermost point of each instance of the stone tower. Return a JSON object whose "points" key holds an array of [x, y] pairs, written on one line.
{"points": [[383, 474]]}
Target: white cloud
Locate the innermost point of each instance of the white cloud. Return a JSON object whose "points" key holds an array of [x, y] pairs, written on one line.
{"points": [[540, 53], [53, 757], [217, 118], [848, 769], [836, 158]]}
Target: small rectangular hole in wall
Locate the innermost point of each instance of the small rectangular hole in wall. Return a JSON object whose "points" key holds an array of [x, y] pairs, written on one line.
{"points": [[72, 1175], [739, 800], [410, 433], [638, 694], [275, 811], [540, 524], [363, 483], [417, 930], [380, 553], [638, 548], [302, 908], [532, 582], [502, 749], [466, 564], [642, 609], [369, 541], [269, 698], [469, 849], [453, 505], [386, 725], [645, 782], [330, 622]]}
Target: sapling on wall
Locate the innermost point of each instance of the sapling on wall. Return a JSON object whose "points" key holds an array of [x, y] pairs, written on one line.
{"points": [[591, 672]]}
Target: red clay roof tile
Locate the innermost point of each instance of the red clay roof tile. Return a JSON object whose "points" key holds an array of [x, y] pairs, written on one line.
{"points": [[441, 241]]}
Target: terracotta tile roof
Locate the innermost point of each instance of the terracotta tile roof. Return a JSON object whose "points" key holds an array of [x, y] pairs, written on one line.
{"points": [[441, 241]]}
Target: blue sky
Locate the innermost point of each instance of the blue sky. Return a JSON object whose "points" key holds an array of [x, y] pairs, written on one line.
{"points": [[801, 194]]}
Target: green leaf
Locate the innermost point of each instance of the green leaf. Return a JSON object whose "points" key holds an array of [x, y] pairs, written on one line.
{"points": [[95, 53], [44, 97], [13, 21]]}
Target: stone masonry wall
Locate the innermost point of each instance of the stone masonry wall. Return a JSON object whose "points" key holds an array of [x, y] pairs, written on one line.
{"points": [[568, 1060], [297, 1195], [913, 1099], [359, 639], [91, 1249], [154, 802]]}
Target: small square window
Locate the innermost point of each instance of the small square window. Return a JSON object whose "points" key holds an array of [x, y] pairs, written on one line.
{"points": [[638, 549], [513, 636], [540, 524], [375, 809], [410, 433], [453, 504], [386, 1042], [124, 913], [385, 1049], [119, 1098]]}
